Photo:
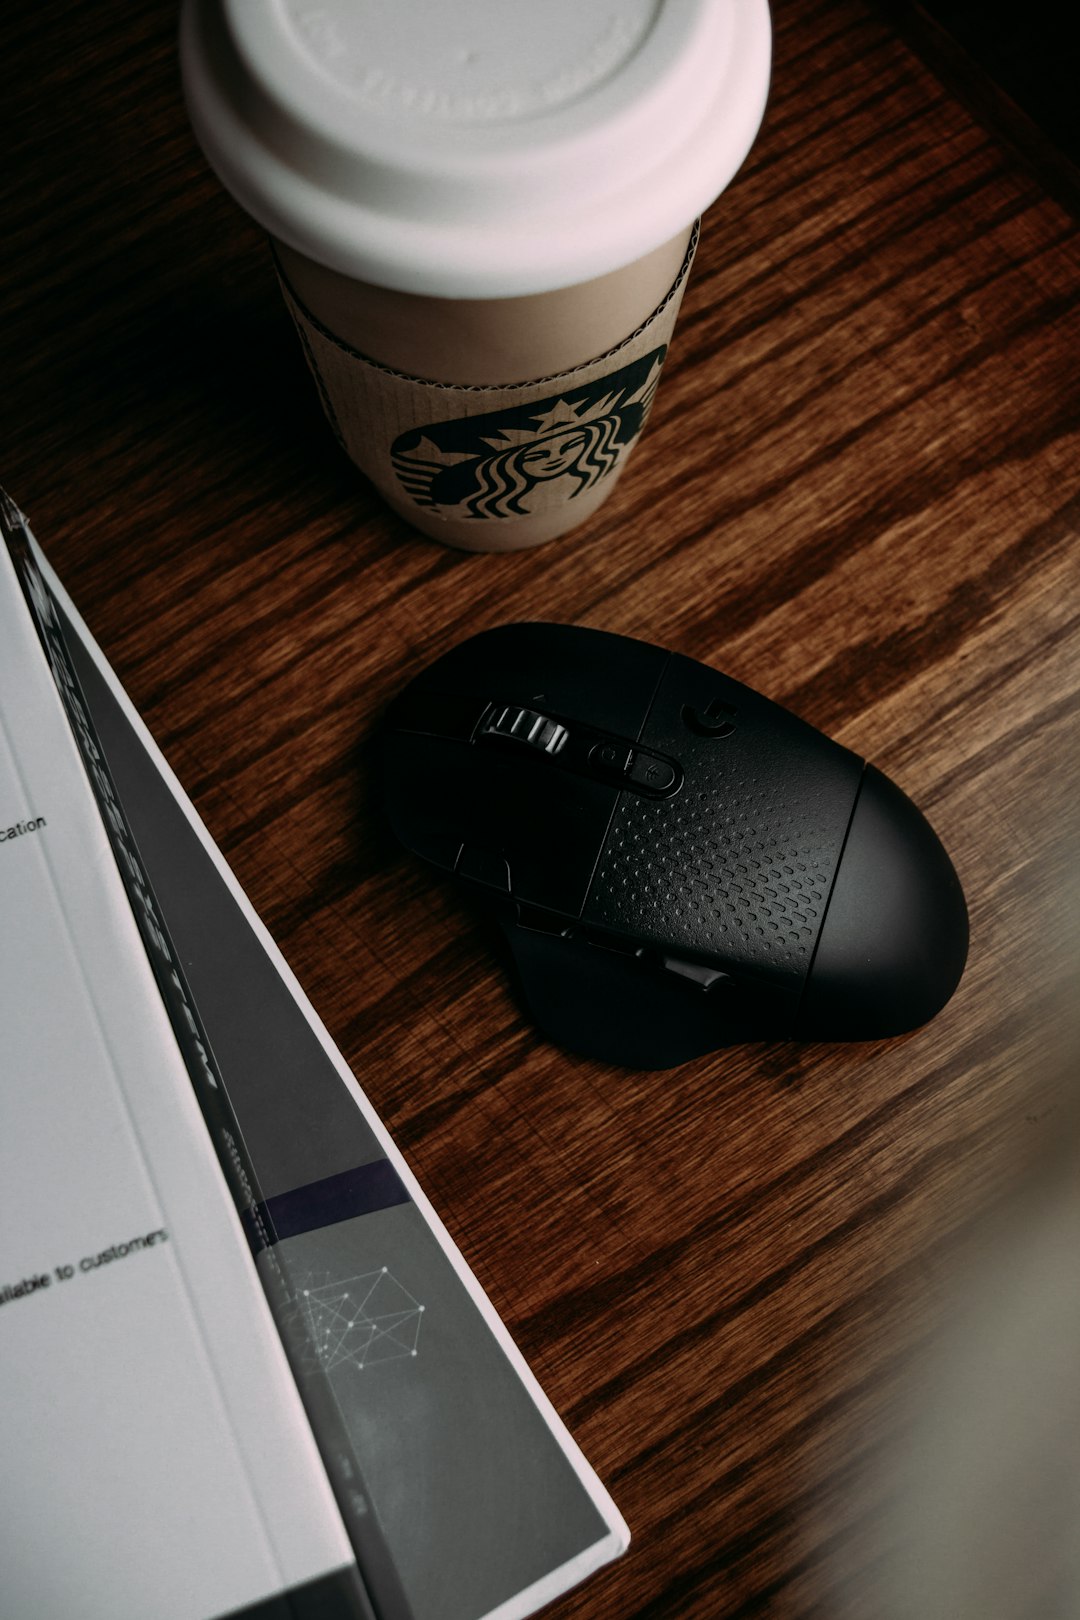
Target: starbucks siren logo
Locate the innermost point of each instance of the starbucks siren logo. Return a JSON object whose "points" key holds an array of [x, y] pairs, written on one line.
{"points": [[511, 462]]}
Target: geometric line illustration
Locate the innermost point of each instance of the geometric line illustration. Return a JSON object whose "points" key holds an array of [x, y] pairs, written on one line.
{"points": [[359, 1321]]}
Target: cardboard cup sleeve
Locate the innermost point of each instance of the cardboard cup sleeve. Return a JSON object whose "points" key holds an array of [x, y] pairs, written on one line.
{"points": [[492, 468]]}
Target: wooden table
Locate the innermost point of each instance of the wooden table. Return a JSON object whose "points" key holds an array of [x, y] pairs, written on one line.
{"points": [[858, 493]]}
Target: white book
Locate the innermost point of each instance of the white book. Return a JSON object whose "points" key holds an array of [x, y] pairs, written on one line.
{"points": [[157, 1459], [270, 1376]]}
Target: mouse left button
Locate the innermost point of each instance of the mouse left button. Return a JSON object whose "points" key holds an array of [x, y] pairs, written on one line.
{"points": [[428, 712], [487, 867]]}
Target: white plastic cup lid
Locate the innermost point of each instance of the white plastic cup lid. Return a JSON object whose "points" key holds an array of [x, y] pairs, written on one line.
{"points": [[475, 148]]}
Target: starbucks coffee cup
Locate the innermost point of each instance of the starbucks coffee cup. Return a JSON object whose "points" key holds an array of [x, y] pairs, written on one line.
{"points": [[483, 216]]}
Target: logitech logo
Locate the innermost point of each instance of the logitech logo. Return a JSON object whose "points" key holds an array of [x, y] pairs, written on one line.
{"points": [[716, 719]]}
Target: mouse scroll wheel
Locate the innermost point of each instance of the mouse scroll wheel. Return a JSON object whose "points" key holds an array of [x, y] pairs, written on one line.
{"points": [[526, 726]]}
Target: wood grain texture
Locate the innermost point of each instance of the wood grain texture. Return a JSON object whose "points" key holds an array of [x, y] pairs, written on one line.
{"points": [[858, 492]]}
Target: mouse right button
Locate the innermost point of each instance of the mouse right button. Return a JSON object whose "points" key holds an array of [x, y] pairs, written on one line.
{"points": [[894, 941]]}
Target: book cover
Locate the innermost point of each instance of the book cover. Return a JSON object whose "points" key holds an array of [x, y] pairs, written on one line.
{"points": [[462, 1492]]}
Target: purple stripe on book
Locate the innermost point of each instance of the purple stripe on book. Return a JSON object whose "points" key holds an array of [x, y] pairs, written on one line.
{"points": [[359, 1191]]}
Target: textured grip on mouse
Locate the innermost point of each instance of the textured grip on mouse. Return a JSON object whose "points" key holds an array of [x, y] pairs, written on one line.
{"points": [[739, 866]]}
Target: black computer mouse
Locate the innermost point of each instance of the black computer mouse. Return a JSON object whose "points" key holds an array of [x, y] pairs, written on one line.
{"points": [[678, 863]]}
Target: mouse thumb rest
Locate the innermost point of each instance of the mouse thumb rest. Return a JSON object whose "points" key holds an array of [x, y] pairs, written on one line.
{"points": [[626, 1005], [718, 872]]}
